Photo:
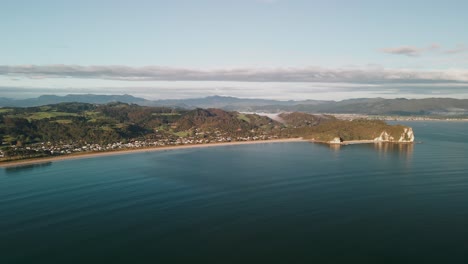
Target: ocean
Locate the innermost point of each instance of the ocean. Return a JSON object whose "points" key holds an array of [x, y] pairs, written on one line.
{"points": [[264, 203]]}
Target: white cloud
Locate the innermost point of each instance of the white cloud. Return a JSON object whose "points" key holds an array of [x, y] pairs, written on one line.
{"points": [[356, 75], [267, 90], [413, 51], [403, 50]]}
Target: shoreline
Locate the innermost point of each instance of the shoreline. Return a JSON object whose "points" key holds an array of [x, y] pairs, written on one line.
{"points": [[363, 141], [24, 162]]}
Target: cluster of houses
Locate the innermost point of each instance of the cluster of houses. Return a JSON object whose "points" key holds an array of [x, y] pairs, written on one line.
{"points": [[50, 148]]}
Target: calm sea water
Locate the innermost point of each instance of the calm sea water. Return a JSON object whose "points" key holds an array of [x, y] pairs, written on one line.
{"points": [[273, 203]]}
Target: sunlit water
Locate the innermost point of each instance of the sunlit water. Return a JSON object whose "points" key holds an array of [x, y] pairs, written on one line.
{"points": [[271, 203]]}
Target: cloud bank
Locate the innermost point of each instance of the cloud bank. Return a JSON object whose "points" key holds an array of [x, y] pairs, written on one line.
{"points": [[278, 91], [413, 51], [310, 74], [155, 82]]}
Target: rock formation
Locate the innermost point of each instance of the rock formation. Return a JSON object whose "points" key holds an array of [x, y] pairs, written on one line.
{"points": [[406, 137], [336, 140], [384, 137]]}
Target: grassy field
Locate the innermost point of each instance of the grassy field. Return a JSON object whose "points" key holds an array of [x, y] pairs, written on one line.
{"points": [[243, 117], [42, 115], [121, 125], [182, 133], [5, 110], [8, 138], [63, 121], [92, 116], [45, 108]]}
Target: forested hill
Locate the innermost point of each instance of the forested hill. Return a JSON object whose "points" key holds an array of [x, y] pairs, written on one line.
{"points": [[79, 122], [68, 123], [68, 127], [371, 106]]}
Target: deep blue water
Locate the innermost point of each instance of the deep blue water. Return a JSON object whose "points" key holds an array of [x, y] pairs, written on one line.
{"points": [[273, 203]]}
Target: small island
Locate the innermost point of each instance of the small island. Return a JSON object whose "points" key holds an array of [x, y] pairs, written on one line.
{"points": [[80, 129]]}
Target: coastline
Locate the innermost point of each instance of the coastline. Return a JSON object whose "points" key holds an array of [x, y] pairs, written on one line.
{"points": [[24, 162], [349, 142], [356, 142]]}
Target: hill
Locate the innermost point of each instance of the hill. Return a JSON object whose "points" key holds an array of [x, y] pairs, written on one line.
{"points": [[82, 122], [79, 98], [325, 128], [75, 127], [222, 102], [380, 106], [434, 107]]}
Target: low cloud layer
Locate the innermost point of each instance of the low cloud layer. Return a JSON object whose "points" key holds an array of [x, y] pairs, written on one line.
{"points": [[279, 91], [155, 82], [413, 51], [310, 74]]}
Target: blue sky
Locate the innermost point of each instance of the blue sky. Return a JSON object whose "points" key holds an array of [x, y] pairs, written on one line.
{"points": [[248, 48]]}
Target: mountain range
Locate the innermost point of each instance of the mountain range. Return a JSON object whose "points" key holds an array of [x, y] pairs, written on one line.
{"points": [[371, 106]]}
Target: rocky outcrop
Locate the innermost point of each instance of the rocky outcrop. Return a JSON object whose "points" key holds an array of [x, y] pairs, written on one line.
{"points": [[406, 137], [384, 137], [336, 140]]}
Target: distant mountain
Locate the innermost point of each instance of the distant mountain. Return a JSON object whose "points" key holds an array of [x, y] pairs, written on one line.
{"points": [[224, 102], [380, 106], [371, 106], [231, 103], [81, 98]]}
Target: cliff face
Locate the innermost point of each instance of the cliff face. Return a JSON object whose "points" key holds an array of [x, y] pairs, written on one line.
{"points": [[406, 136], [384, 137]]}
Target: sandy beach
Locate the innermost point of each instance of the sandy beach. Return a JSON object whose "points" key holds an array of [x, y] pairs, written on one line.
{"points": [[24, 162]]}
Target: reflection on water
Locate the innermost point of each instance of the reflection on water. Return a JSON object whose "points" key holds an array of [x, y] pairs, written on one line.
{"points": [[25, 167], [274, 203], [403, 150], [335, 147]]}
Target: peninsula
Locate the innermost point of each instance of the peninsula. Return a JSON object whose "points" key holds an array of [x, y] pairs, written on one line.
{"points": [[78, 129]]}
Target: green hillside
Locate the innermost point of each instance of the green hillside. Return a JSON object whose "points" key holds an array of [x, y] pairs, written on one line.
{"points": [[66, 128], [326, 127]]}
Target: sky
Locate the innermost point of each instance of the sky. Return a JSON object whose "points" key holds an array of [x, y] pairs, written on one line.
{"points": [[275, 49]]}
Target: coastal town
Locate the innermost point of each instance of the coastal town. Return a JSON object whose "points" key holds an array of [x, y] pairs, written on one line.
{"points": [[50, 149], [72, 129]]}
